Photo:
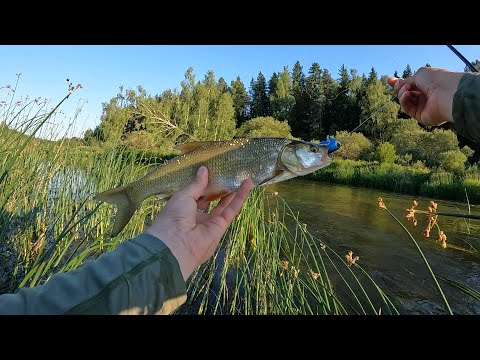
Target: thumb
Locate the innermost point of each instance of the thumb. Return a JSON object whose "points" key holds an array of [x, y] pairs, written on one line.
{"points": [[195, 189], [398, 83], [392, 80]]}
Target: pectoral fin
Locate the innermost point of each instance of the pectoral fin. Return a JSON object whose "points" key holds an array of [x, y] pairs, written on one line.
{"points": [[278, 175]]}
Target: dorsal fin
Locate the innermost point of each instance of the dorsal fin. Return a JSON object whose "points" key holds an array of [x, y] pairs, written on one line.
{"points": [[189, 146]]}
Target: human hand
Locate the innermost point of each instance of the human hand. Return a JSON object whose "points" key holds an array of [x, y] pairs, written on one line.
{"points": [[428, 95], [191, 235]]}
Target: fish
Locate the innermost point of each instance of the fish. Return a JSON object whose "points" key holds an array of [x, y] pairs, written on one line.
{"points": [[265, 160]]}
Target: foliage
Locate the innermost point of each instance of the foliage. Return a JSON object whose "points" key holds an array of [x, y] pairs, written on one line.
{"points": [[264, 126], [452, 161], [354, 146], [386, 153]]}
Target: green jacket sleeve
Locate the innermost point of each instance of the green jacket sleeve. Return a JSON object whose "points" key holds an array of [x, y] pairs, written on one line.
{"points": [[466, 107], [141, 276]]}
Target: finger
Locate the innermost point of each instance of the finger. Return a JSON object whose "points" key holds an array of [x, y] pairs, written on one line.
{"points": [[392, 80], [197, 187], [402, 90], [217, 210], [399, 85], [409, 102], [237, 202]]}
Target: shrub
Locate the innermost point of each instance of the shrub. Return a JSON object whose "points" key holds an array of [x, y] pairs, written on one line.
{"points": [[355, 146], [386, 153], [264, 126], [453, 161]]}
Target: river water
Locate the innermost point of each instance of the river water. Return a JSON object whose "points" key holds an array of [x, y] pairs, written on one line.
{"points": [[348, 218]]}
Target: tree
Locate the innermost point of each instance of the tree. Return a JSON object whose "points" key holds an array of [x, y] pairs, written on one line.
{"points": [[372, 76], [377, 106], [312, 126], [299, 111], [282, 100], [240, 101], [407, 72], [272, 84], [341, 105], [331, 91], [264, 126], [214, 114], [386, 153], [452, 161], [259, 102], [113, 119], [222, 85]]}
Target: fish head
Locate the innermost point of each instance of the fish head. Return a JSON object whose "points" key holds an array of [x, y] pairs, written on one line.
{"points": [[301, 157]]}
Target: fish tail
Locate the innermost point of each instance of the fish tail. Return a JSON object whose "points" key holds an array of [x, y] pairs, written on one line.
{"points": [[126, 206]]}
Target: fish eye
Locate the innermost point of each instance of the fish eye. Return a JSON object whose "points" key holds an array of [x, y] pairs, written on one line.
{"points": [[313, 149]]}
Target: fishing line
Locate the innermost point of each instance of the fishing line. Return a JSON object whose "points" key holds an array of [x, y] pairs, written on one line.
{"points": [[371, 116]]}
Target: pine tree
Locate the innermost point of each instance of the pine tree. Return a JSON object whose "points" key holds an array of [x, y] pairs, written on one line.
{"points": [[272, 84], [372, 76], [341, 105], [313, 127], [331, 90], [259, 102], [407, 72], [299, 112], [240, 101], [222, 85]]}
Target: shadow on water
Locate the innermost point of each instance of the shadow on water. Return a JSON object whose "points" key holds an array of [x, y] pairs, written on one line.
{"points": [[348, 218]]}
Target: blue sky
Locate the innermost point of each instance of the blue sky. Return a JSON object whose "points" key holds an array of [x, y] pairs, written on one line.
{"points": [[101, 69]]}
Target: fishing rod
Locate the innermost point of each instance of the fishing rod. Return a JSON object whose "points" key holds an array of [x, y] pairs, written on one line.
{"points": [[333, 145], [468, 63]]}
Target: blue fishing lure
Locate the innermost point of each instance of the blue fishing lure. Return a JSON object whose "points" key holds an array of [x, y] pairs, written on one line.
{"points": [[332, 144]]}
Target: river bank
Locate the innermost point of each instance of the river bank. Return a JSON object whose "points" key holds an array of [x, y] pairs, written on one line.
{"points": [[403, 179]]}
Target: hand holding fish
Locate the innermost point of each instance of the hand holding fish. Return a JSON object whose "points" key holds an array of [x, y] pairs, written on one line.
{"points": [[427, 96], [193, 236]]}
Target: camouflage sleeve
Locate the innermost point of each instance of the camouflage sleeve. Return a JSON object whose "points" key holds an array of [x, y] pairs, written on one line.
{"points": [[466, 107], [141, 276]]}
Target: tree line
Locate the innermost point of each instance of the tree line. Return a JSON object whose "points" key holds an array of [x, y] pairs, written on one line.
{"points": [[307, 105], [313, 105]]}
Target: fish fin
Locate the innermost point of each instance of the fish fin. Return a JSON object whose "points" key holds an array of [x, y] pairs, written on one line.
{"points": [[270, 179], [281, 175], [215, 195], [189, 146], [125, 206]]}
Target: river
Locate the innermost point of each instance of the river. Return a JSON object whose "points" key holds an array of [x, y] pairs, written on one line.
{"points": [[348, 218]]}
